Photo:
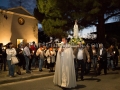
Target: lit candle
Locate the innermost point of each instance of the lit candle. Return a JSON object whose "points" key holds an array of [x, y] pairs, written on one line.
{"points": [[4, 47], [94, 51], [51, 52], [114, 52], [22, 49], [33, 51]]}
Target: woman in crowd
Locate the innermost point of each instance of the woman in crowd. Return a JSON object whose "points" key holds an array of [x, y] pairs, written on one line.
{"points": [[40, 53], [1, 55], [94, 58], [50, 54], [10, 51], [21, 58]]}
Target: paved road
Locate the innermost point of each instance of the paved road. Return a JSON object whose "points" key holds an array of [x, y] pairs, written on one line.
{"points": [[111, 81]]}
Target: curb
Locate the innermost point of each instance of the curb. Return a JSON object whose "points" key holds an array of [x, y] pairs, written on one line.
{"points": [[16, 79]]}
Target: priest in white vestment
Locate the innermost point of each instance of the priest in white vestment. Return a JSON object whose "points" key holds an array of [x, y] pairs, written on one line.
{"points": [[64, 70]]}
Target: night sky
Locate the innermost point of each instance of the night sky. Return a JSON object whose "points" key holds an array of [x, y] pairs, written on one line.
{"points": [[6, 4], [29, 5]]}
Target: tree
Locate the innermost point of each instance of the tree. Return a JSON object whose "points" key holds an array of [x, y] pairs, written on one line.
{"points": [[52, 21], [42, 37], [97, 12], [87, 12]]}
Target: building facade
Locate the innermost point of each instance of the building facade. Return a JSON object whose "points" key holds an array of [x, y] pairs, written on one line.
{"points": [[17, 25]]}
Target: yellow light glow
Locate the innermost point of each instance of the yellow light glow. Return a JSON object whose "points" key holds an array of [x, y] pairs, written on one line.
{"points": [[5, 41]]}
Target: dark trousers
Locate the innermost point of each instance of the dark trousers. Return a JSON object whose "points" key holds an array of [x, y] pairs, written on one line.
{"points": [[102, 65], [24, 64], [4, 63], [45, 63], [80, 63], [116, 61], [51, 66], [30, 63], [87, 67]]}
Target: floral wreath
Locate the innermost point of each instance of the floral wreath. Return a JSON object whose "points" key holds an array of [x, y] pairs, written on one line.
{"points": [[75, 41]]}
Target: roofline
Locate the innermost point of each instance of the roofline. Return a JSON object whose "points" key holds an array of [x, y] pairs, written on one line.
{"points": [[10, 12], [20, 7]]}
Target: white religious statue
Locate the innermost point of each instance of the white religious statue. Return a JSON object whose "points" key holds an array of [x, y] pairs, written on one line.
{"points": [[75, 29]]}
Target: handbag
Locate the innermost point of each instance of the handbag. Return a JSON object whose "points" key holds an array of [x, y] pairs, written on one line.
{"points": [[14, 60]]}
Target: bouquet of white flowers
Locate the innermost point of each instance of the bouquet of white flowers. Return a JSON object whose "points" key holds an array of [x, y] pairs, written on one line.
{"points": [[75, 41]]}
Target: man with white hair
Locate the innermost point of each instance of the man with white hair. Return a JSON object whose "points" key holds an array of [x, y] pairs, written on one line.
{"points": [[102, 59]]}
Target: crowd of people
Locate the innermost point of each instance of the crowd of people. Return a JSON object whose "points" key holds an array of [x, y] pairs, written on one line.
{"points": [[29, 56], [67, 60], [70, 60]]}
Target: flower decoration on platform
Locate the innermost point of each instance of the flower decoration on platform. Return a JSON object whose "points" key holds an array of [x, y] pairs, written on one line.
{"points": [[75, 41]]}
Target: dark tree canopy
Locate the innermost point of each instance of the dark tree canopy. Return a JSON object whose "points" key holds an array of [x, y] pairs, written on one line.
{"points": [[58, 16]]}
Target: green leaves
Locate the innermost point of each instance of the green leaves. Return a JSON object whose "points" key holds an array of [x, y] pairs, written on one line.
{"points": [[94, 10], [57, 16], [48, 7], [53, 27]]}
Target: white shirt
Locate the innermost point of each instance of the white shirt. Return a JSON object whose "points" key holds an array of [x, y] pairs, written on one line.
{"points": [[10, 52], [26, 51], [80, 54], [40, 53], [101, 51]]}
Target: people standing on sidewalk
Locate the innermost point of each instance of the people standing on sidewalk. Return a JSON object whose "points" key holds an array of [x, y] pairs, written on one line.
{"points": [[102, 59], [4, 58], [33, 60], [10, 52], [94, 58], [64, 69], [82, 57], [88, 64], [110, 59], [1, 56], [40, 53], [45, 60], [21, 58], [115, 54], [27, 56], [50, 54]]}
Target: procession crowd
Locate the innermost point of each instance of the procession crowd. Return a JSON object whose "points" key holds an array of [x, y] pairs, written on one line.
{"points": [[82, 59], [29, 56], [70, 60]]}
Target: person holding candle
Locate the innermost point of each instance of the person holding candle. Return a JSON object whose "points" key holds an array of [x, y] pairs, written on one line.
{"points": [[41, 54], [114, 56], [102, 59], [27, 56], [88, 64], [94, 58], [33, 60], [21, 59], [10, 51], [82, 57], [1, 56], [50, 54]]}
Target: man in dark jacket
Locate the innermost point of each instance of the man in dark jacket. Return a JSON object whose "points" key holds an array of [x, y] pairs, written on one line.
{"points": [[102, 59], [81, 56]]}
